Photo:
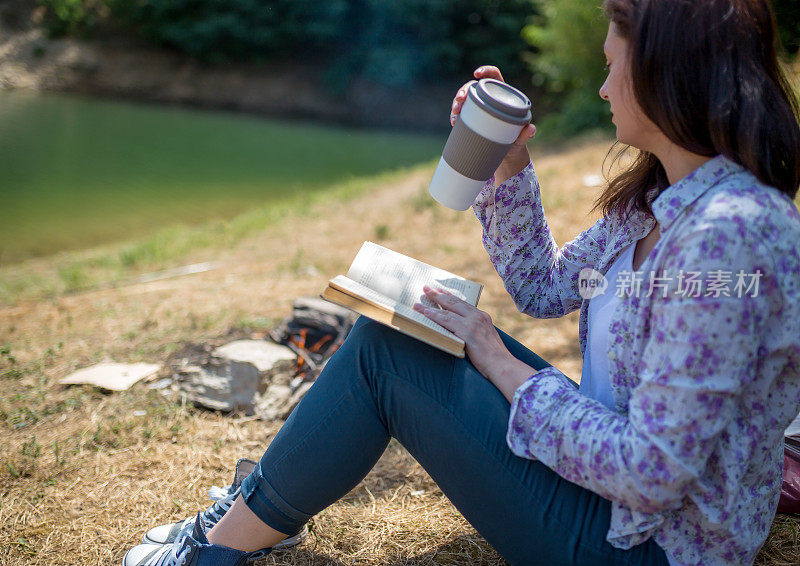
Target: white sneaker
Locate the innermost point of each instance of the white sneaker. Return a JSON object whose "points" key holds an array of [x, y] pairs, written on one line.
{"points": [[190, 548], [223, 498]]}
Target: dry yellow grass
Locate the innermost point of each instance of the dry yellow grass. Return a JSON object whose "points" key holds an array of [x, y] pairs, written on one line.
{"points": [[82, 476]]}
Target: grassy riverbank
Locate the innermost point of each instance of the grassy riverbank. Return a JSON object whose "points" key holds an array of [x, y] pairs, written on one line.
{"points": [[80, 172], [113, 264], [84, 474]]}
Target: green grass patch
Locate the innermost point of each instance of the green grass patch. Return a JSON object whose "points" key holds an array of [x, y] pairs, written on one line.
{"points": [[78, 172], [168, 247]]}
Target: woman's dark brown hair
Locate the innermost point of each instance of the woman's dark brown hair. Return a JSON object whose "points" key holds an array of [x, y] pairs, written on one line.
{"points": [[707, 74]]}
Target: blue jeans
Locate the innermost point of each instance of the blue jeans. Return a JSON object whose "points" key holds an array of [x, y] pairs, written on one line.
{"points": [[382, 384]]}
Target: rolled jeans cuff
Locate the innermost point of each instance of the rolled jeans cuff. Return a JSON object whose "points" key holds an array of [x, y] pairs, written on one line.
{"points": [[262, 499]]}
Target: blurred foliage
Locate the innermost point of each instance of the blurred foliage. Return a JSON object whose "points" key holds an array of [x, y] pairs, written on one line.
{"points": [[234, 30], [787, 12], [394, 42], [402, 42], [73, 17], [568, 36]]}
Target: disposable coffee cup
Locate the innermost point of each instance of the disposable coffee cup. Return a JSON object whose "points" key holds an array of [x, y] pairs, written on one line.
{"points": [[491, 118]]}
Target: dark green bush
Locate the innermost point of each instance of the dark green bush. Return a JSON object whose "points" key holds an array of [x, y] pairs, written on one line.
{"points": [[568, 36], [234, 30], [397, 42], [569, 62], [394, 42], [403, 42], [72, 17], [787, 12]]}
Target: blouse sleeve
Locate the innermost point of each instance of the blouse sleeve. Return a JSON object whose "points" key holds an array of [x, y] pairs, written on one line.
{"points": [[700, 353], [541, 278]]}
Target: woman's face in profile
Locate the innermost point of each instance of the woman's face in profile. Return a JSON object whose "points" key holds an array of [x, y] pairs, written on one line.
{"points": [[633, 127]]}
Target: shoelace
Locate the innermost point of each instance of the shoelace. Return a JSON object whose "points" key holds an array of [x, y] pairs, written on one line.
{"points": [[223, 498], [177, 553], [172, 555]]}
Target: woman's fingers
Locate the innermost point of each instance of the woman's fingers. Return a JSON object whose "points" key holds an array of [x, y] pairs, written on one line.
{"points": [[488, 72], [458, 102], [448, 302], [449, 320], [485, 72], [459, 317], [525, 135]]}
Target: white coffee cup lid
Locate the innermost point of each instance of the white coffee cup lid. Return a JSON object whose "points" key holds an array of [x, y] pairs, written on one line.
{"points": [[501, 100]]}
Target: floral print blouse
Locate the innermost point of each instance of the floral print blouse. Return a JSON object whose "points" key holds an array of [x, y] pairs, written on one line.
{"points": [[704, 383]]}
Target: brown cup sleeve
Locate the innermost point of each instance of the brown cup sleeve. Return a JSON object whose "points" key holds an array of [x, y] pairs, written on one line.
{"points": [[471, 154]]}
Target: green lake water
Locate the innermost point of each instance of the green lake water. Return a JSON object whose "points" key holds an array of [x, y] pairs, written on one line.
{"points": [[76, 172]]}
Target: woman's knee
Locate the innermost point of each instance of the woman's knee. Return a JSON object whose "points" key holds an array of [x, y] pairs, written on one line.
{"points": [[376, 348], [368, 335], [364, 324], [367, 344]]}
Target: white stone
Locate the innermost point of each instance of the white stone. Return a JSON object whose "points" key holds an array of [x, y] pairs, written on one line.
{"points": [[265, 356], [278, 401], [270, 405], [235, 373], [226, 385], [111, 376]]}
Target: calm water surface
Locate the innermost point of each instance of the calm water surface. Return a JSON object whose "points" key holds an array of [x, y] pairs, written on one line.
{"points": [[76, 172]]}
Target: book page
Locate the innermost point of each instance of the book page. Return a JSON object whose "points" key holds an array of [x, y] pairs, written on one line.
{"points": [[347, 285], [401, 278]]}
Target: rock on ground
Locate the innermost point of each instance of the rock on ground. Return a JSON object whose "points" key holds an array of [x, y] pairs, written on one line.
{"points": [[248, 375]]}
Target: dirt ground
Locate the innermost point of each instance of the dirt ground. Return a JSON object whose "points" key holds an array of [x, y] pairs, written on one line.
{"points": [[84, 473]]}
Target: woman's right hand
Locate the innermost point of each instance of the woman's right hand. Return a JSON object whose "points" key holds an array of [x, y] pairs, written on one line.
{"points": [[517, 157]]}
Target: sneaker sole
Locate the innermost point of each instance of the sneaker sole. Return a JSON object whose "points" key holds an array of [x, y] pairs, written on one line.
{"points": [[291, 542], [283, 545]]}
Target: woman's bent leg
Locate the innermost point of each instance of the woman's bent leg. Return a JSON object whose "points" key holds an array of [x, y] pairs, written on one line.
{"points": [[453, 421]]}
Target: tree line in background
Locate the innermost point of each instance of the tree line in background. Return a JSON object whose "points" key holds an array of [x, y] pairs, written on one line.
{"points": [[555, 45], [394, 42]]}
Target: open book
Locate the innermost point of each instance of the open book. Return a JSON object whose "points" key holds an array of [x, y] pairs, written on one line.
{"points": [[384, 286]]}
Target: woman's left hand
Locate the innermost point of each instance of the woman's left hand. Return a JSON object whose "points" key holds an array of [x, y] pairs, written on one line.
{"points": [[484, 347]]}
